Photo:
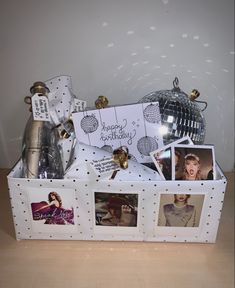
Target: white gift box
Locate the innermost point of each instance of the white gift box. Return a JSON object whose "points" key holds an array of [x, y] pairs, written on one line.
{"points": [[81, 216]]}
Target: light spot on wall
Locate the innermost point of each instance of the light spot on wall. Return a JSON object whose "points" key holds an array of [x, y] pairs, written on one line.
{"points": [[133, 54], [110, 45], [232, 52], [153, 28], [220, 98], [134, 87], [145, 62], [147, 47], [225, 70], [184, 35], [165, 2], [147, 74], [206, 44], [209, 61], [214, 86], [172, 45], [135, 63], [163, 56], [120, 67], [196, 37], [146, 85], [130, 32], [156, 67], [105, 24], [208, 73]]}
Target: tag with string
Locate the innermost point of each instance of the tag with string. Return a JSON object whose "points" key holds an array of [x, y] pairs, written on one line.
{"points": [[79, 105], [40, 108]]}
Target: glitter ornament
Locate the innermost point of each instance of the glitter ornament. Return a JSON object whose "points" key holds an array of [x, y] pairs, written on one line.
{"points": [[89, 124], [146, 144], [180, 114]]}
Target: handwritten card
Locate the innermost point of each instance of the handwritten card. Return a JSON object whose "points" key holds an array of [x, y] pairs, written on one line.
{"points": [[104, 166], [136, 126]]}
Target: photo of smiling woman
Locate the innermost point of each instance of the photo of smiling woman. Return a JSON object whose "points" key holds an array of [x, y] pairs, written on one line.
{"points": [[52, 211], [180, 210]]}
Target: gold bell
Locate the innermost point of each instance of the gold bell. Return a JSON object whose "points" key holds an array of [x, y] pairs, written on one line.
{"points": [[120, 156], [101, 102], [194, 94]]}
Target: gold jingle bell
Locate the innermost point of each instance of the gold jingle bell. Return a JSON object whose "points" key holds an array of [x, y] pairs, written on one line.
{"points": [[120, 156], [101, 102], [194, 94]]}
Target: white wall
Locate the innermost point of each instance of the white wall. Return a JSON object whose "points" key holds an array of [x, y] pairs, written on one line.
{"points": [[123, 49]]}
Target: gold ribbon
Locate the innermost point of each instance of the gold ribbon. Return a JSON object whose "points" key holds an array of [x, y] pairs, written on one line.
{"points": [[101, 102], [120, 157]]}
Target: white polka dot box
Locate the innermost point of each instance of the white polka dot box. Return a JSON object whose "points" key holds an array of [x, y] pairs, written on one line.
{"points": [[135, 205]]}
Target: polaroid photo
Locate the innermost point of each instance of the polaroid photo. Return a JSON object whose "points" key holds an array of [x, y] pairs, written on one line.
{"points": [[116, 213], [180, 210], [181, 216], [162, 157], [52, 210], [193, 162]]}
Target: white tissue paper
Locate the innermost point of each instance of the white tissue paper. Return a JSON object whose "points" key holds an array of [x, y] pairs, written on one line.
{"points": [[82, 169], [62, 102]]}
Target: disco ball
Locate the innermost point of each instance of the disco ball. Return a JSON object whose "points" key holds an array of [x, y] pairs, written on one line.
{"points": [[146, 144], [181, 114], [89, 124], [151, 113]]}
